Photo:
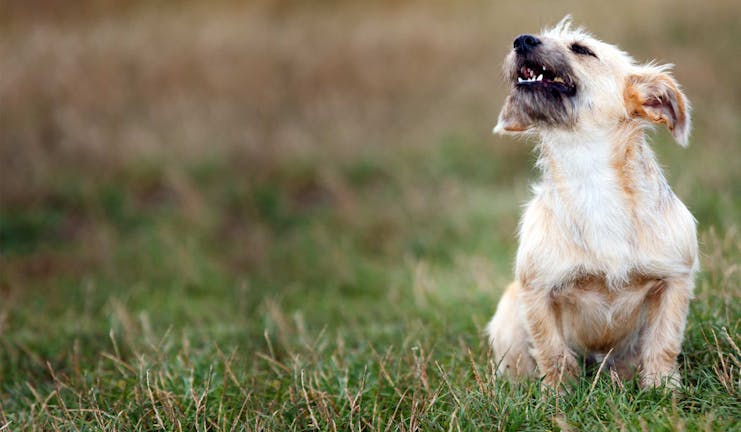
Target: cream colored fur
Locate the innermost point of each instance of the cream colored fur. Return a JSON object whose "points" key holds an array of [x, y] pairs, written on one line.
{"points": [[608, 253]]}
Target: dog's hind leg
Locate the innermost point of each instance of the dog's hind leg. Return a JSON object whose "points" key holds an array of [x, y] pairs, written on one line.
{"points": [[509, 338]]}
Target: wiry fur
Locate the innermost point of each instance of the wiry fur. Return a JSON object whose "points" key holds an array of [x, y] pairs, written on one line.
{"points": [[608, 253]]}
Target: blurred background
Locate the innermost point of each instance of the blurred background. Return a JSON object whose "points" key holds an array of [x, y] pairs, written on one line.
{"points": [[221, 168]]}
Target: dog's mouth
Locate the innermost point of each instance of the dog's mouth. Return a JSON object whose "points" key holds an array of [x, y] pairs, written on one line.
{"points": [[544, 91], [532, 75]]}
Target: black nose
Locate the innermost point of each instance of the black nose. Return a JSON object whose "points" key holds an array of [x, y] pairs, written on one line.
{"points": [[525, 43]]}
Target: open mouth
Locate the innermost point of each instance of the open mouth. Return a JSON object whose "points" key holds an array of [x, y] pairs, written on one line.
{"points": [[533, 75]]}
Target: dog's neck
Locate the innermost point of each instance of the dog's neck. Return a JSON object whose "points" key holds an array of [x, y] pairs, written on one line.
{"points": [[601, 186], [614, 163]]}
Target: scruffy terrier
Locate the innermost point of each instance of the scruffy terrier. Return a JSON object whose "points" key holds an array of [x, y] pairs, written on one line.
{"points": [[607, 256]]}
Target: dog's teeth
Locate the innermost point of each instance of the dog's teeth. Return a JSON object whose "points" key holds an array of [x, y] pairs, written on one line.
{"points": [[519, 80], [543, 67], [539, 78]]}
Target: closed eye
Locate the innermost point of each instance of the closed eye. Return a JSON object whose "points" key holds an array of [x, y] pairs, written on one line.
{"points": [[580, 49]]}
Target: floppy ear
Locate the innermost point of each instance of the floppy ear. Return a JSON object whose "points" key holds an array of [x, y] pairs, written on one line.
{"points": [[653, 95]]}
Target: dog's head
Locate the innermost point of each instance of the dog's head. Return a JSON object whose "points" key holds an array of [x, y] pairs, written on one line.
{"points": [[564, 78]]}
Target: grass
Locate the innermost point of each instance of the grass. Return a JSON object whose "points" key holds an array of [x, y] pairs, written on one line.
{"points": [[200, 233]]}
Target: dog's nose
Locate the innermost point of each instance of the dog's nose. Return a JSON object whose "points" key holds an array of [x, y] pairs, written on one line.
{"points": [[525, 43]]}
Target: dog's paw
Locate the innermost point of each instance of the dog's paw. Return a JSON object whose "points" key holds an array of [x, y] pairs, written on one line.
{"points": [[564, 372], [669, 379]]}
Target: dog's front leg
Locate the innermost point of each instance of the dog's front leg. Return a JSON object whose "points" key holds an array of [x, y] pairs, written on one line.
{"points": [[664, 331], [555, 360]]}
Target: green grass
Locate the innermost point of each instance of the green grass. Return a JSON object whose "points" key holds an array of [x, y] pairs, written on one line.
{"points": [[260, 308], [251, 239]]}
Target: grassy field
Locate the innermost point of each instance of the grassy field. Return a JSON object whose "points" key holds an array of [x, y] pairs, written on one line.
{"points": [[292, 216]]}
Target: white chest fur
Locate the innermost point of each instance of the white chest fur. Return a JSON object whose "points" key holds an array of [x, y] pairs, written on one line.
{"points": [[580, 219]]}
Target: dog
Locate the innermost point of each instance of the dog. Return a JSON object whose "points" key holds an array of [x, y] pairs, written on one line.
{"points": [[607, 253]]}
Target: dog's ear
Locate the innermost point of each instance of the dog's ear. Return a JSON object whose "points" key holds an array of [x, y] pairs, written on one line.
{"points": [[654, 95]]}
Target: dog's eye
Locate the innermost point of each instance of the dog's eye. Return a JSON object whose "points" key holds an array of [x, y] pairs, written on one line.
{"points": [[582, 50]]}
